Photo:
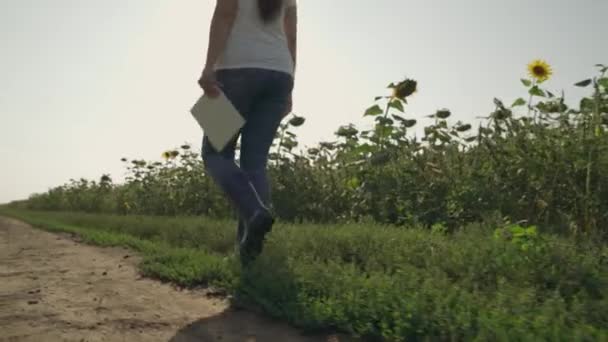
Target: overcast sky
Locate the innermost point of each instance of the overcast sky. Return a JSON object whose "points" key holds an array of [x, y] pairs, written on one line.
{"points": [[86, 82]]}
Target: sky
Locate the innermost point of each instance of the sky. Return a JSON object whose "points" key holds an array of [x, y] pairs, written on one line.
{"points": [[87, 82]]}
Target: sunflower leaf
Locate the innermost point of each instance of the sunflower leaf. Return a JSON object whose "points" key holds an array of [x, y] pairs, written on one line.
{"points": [[378, 98], [397, 105], [409, 123], [536, 91], [443, 113], [297, 121], [518, 102], [464, 128], [373, 111], [526, 82], [603, 82], [398, 117], [583, 83]]}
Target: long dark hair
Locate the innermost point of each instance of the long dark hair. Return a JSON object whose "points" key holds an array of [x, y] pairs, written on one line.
{"points": [[270, 9]]}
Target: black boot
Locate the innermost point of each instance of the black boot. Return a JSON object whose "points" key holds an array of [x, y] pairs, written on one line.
{"points": [[254, 232]]}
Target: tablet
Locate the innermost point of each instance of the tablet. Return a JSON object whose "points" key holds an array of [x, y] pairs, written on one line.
{"points": [[218, 118]]}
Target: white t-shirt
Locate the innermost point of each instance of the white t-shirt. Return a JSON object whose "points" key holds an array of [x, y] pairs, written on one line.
{"points": [[256, 44]]}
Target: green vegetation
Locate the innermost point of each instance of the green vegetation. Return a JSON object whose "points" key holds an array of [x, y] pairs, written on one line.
{"points": [[545, 165], [513, 284], [493, 235]]}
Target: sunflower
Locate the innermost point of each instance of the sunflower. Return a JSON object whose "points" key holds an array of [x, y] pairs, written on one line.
{"points": [[404, 89], [166, 155], [540, 70]]}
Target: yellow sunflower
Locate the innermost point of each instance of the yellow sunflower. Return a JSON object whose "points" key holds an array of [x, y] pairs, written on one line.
{"points": [[167, 155], [540, 70]]}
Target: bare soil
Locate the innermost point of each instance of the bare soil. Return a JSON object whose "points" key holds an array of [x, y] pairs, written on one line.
{"points": [[53, 288]]}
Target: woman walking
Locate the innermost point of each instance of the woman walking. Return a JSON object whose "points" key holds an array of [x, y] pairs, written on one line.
{"points": [[251, 58]]}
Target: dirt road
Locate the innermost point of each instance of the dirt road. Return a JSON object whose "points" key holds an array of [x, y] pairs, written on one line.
{"points": [[55, 289]]}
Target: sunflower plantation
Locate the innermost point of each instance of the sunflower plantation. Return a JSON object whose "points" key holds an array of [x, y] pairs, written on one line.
{"points": [[537, 162], [493, 231]]}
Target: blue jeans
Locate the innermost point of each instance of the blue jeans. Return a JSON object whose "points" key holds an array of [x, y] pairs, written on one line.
{"points": [[261, 96]]}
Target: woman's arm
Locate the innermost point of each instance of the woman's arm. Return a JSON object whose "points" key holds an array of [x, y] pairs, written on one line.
{"points": [[221, 26], [291, 32]]}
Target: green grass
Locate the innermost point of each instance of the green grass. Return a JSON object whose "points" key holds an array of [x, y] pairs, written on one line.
{"points": [[377, 281]]}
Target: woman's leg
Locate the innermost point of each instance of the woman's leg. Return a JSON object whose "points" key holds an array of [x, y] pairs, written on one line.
{"points": [[240, 88], [259, 132], [257, 136], [231, 179]]}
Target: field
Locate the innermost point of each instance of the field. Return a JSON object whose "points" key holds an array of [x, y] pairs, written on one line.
{"points": [[372, 280], [497, 233]]}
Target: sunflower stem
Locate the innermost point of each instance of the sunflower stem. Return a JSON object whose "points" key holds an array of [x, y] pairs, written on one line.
{"points": [[530, 102], [383, 143], [594, 134]]}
